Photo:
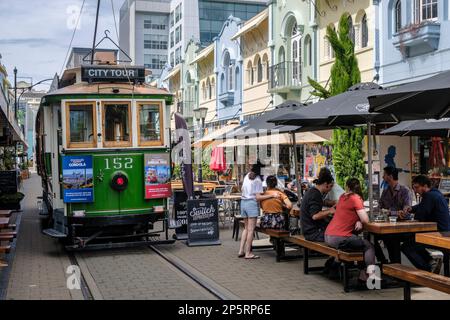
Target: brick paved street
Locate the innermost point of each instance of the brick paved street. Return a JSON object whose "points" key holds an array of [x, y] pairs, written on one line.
{"points": [[38, 270]]}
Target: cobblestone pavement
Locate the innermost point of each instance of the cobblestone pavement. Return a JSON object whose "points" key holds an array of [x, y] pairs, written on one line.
{"points": [[266, 279], [139, 274], [38, 268]]}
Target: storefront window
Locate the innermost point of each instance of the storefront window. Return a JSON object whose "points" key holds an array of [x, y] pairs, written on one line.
{"points": [[150, 125], [81, 125], [116, 124]]}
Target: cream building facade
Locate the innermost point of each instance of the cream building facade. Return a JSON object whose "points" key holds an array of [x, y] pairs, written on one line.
{"points": [[362, 22], [253, 38]]}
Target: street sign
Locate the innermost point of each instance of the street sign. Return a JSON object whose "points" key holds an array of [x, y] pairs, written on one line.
{"points": [[112, 74], [203, 222]]}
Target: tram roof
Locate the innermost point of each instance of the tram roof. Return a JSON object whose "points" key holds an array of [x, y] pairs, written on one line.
{"points": [[104, 90]]}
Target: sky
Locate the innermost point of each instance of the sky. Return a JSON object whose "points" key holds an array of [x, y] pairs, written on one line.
{"points": [[36, 34]]}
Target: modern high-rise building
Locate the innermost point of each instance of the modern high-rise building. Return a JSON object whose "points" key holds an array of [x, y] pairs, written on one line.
{"points": [[144, 33], [202, 20]]}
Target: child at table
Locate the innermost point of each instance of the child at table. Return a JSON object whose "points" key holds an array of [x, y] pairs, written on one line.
{"points": [[347, 221]]}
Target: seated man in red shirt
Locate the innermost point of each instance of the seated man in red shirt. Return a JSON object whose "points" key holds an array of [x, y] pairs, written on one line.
{"points": [[347, 221]]}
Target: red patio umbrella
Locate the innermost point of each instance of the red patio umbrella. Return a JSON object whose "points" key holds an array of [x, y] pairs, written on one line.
{"points": [[218, 161]]}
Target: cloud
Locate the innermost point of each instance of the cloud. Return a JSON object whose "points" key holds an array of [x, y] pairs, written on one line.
{"points": [[32, 42]]}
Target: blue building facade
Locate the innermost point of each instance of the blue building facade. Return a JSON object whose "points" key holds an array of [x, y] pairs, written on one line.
{"points": [[228, 70], [412, 39]]}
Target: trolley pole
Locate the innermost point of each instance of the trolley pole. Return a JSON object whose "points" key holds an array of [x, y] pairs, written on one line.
{"points": [[15, 93], [95, 33]]}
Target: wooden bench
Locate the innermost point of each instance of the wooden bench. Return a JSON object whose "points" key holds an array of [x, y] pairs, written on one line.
{"points": [[6, 237], [420, 277], [9, 233], [5, 213], [347, 259], [5, 249], [277, 235]]}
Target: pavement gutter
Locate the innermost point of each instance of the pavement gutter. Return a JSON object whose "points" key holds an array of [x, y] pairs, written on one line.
{"points": [[93, 288]]}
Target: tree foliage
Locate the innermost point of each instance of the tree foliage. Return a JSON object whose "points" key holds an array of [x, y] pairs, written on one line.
{"points": [[348, 157]]}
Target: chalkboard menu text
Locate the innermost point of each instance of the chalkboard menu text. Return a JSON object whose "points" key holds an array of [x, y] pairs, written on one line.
{"points": [[203, 222]]}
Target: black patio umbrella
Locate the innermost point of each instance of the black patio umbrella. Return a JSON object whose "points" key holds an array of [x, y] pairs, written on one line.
{"points": [[344, 110], [427, 98], [427, 127], [260, 126]]}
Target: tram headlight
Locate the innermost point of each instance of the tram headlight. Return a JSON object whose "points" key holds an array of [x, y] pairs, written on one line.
{"points": [[119, 182]]}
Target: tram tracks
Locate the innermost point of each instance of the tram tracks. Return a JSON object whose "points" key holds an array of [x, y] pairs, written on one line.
{"points": [[90, 291], [200, 279]]}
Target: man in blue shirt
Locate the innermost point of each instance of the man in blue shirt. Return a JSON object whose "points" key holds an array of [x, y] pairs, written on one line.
{"points": [[432, 208]]}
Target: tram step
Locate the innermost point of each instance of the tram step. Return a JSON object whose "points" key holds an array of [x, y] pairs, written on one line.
{"points": [[54, 233]]}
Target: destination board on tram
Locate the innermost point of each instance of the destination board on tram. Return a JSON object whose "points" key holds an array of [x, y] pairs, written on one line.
{"points": [[112, 74]]}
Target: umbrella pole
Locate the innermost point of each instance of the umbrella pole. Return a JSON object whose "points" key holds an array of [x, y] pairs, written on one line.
{"points": [[299, 183], [369, 149]]}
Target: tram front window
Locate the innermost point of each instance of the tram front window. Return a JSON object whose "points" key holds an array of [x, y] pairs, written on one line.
{"points": [[117, 124], [81, 124], [150, 124]]}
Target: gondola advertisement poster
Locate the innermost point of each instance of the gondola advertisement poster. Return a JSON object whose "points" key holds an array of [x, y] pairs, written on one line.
{"points": [[78, 182], [157, 176]]}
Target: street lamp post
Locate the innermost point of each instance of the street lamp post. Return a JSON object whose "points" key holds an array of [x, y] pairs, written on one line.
{"points": [[15, 92], [200, 115]]}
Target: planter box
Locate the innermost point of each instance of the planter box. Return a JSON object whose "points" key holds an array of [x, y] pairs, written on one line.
{"points": [[418, 39]]}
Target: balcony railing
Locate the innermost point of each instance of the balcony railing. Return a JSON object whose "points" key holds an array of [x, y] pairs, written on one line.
{"points": [[418, 39], [227, 98], [285, 76]]}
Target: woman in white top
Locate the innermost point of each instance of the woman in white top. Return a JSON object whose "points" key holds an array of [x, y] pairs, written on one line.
{"points": [[252, 192]]}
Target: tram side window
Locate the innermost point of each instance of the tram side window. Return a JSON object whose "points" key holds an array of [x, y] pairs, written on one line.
{"points": [[116, 124], [150, 124], [82, 128]]}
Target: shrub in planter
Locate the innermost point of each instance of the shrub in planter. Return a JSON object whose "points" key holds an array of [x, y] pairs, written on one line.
{"points": [[11, 201]]}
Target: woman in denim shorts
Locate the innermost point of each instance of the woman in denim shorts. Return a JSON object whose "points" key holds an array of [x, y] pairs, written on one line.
{"points": [[252, 192]]}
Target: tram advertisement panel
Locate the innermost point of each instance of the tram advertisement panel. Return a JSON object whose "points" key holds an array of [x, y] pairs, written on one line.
{"points": [[78, 182], [157, 176]]}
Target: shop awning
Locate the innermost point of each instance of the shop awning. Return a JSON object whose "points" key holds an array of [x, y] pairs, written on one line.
{"points": [[172, 73], [210, 138], [280, 139], [204, 53], [252, 24]]}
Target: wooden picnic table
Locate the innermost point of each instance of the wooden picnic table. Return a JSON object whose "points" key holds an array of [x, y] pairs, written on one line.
{"points": [[439, 240], [400, 227], [231, 197]]}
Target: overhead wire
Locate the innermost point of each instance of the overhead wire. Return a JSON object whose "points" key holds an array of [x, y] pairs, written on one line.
{"points": [[73, 36]]}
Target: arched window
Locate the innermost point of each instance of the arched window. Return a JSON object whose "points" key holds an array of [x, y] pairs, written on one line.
{"points": [[259, 70], [398, 16], [265, 62], [364, 32], [230, 78], [296, 50], [213, 87], [237, 79], [351, 29], [223, 84], [208, 88], [204, 91], [227, 72], [281, 55], [308, 51], [250, 73]]}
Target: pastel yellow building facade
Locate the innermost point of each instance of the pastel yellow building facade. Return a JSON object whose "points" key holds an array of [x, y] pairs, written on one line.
{"points": [[253, 38], [362, 13], [204, 63]]}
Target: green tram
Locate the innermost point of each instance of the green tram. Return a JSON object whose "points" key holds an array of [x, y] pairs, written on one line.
{"points": [[103, 154]]}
